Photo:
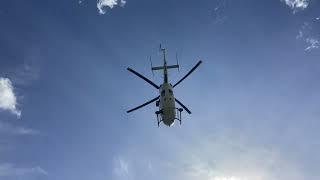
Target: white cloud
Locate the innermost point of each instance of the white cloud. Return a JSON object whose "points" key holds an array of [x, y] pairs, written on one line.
{"points": [[8, 100], [9, 170], [102, 4], [296, 5]]}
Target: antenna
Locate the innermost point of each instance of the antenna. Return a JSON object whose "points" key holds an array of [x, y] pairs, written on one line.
{"points": [[164, 54], [161, 49], [151, 65]]}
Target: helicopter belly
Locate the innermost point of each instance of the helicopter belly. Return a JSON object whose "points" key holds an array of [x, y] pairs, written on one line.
{"points": [[168, 112]]}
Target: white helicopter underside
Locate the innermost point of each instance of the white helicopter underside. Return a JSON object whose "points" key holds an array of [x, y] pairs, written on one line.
{"points": [[167, 104]]}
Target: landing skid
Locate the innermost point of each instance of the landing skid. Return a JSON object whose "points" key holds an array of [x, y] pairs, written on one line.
{"points": [[158, 118], [179, 118]]}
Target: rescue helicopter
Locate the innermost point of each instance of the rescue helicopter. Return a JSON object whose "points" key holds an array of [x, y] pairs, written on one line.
{"points": [[167, 112]]}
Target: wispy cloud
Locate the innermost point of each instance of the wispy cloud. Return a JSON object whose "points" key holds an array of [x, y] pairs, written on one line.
{"points": [[131, 165], [313, 44], [296, 5], [233, 158], [102, 4], [219, 12], [8, 100], [9, 170], [121, 167], [227, 163], [309, 33], [16, 130], [24, 131], [29, 70]]}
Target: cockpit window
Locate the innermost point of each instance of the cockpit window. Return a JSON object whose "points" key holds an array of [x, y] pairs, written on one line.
{"points": [[163, 92]]}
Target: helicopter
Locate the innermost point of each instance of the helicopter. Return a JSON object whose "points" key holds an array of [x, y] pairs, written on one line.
{"points": [[167, 112]]}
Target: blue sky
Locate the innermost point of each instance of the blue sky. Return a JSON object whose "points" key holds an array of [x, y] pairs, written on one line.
{"points": [[64, 90]]}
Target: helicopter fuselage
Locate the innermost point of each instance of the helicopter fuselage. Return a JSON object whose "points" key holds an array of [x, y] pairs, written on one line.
{"points": [[166, 104]]}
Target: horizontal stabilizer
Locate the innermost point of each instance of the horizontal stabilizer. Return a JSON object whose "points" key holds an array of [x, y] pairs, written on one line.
{"points": [[168, 67], [173, 66], [157, 68]]}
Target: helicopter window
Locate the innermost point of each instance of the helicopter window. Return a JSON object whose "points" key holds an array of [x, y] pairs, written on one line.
{"points": [[163, 92]]}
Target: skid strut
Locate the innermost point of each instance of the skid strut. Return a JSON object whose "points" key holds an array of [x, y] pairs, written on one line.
{"points": [[158, 119], [179, 118]]}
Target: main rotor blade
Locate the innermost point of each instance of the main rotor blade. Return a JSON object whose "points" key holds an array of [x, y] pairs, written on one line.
{"points": [[184, 107], [143, 104], [144, 78], [195, 67]]}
